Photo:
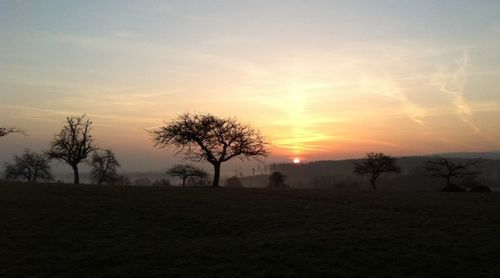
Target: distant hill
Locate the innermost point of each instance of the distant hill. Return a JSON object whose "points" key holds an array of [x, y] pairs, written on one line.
{"points": [[339, 174], [495, 155]]}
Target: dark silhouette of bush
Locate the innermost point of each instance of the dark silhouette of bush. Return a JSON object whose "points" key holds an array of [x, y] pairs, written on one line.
{"points": [[202, 137], [277, 180], [233, 181]]}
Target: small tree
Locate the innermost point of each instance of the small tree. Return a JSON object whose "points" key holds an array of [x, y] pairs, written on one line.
{"points": [[104, 167], [207, 137], [374, 165], [30, 167], [440, 167], [185, 171], [7, 130], [73, 144], [277, 180]]}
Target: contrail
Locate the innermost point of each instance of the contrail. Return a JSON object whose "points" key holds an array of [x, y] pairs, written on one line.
{"points": [[455, 87]]}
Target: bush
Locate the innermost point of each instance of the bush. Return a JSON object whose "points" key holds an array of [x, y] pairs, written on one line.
{"points": [[277, 180]]}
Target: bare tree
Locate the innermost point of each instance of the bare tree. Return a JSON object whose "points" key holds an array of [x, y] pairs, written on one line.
{"points": [[73, 144], [104, 167], [374, 165], [207, 137], [277, 180], [185, 171], [31, 167], [445, 168], [7, 130]]}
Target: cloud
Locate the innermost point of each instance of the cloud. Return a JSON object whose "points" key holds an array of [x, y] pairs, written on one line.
{"points": [[453, 84], [389, 88]]}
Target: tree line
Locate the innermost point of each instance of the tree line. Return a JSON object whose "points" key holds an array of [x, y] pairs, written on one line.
{"points": [[196, 137]]}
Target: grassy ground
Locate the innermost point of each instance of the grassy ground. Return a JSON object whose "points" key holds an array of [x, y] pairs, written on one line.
{"points": [[65, 230]]}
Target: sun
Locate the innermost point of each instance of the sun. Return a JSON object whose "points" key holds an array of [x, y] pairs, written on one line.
{"points": [[296, 160]]}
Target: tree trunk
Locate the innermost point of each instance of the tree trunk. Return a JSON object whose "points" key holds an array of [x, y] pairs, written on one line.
{"points": [[76, 175], [216, 175], [184, 181]]}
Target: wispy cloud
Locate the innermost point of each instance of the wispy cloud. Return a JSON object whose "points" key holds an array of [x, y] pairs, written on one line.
{"points": [[453, 84], [389, 88]]}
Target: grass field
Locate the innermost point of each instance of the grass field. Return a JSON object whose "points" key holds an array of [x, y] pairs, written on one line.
{"points": [[66, 230]]}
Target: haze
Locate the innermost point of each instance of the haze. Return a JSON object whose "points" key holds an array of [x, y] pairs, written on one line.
{"points": [[320, 79]]}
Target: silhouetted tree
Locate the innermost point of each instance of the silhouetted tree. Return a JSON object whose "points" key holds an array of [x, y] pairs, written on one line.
{"points": [[277, 180], [374, 165], [104, 167], [198, 179], [7, 130], [233, 181], [446, 169], [73, 144], [31, 167], [185, 171], [207, 137]]}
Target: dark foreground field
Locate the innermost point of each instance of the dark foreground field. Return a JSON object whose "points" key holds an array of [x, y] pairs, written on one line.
{"points": [[66, 230]]}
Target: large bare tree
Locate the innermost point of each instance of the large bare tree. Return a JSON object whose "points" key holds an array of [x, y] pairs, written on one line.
{"points": [[214, 139], [441, 167], [31, 167], [374, 165], [73, 144]]}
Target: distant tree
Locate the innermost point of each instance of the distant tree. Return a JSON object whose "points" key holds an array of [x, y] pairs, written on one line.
{"points": [[199, 178], [31, 167], [207, 137], [233, 181], [104, 167], [185, 171], [277, 180], [374, 165], [7, 130], [440, 167], [73, 144]]}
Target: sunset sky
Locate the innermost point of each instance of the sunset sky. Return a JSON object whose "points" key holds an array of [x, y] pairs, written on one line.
{"points": [[320, 79]]}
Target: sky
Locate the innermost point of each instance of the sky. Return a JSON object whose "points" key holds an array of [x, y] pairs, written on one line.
{"points": [[320, 79]]}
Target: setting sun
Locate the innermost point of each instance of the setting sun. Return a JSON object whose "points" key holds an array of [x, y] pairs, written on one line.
{"points": [[296, 160]]}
